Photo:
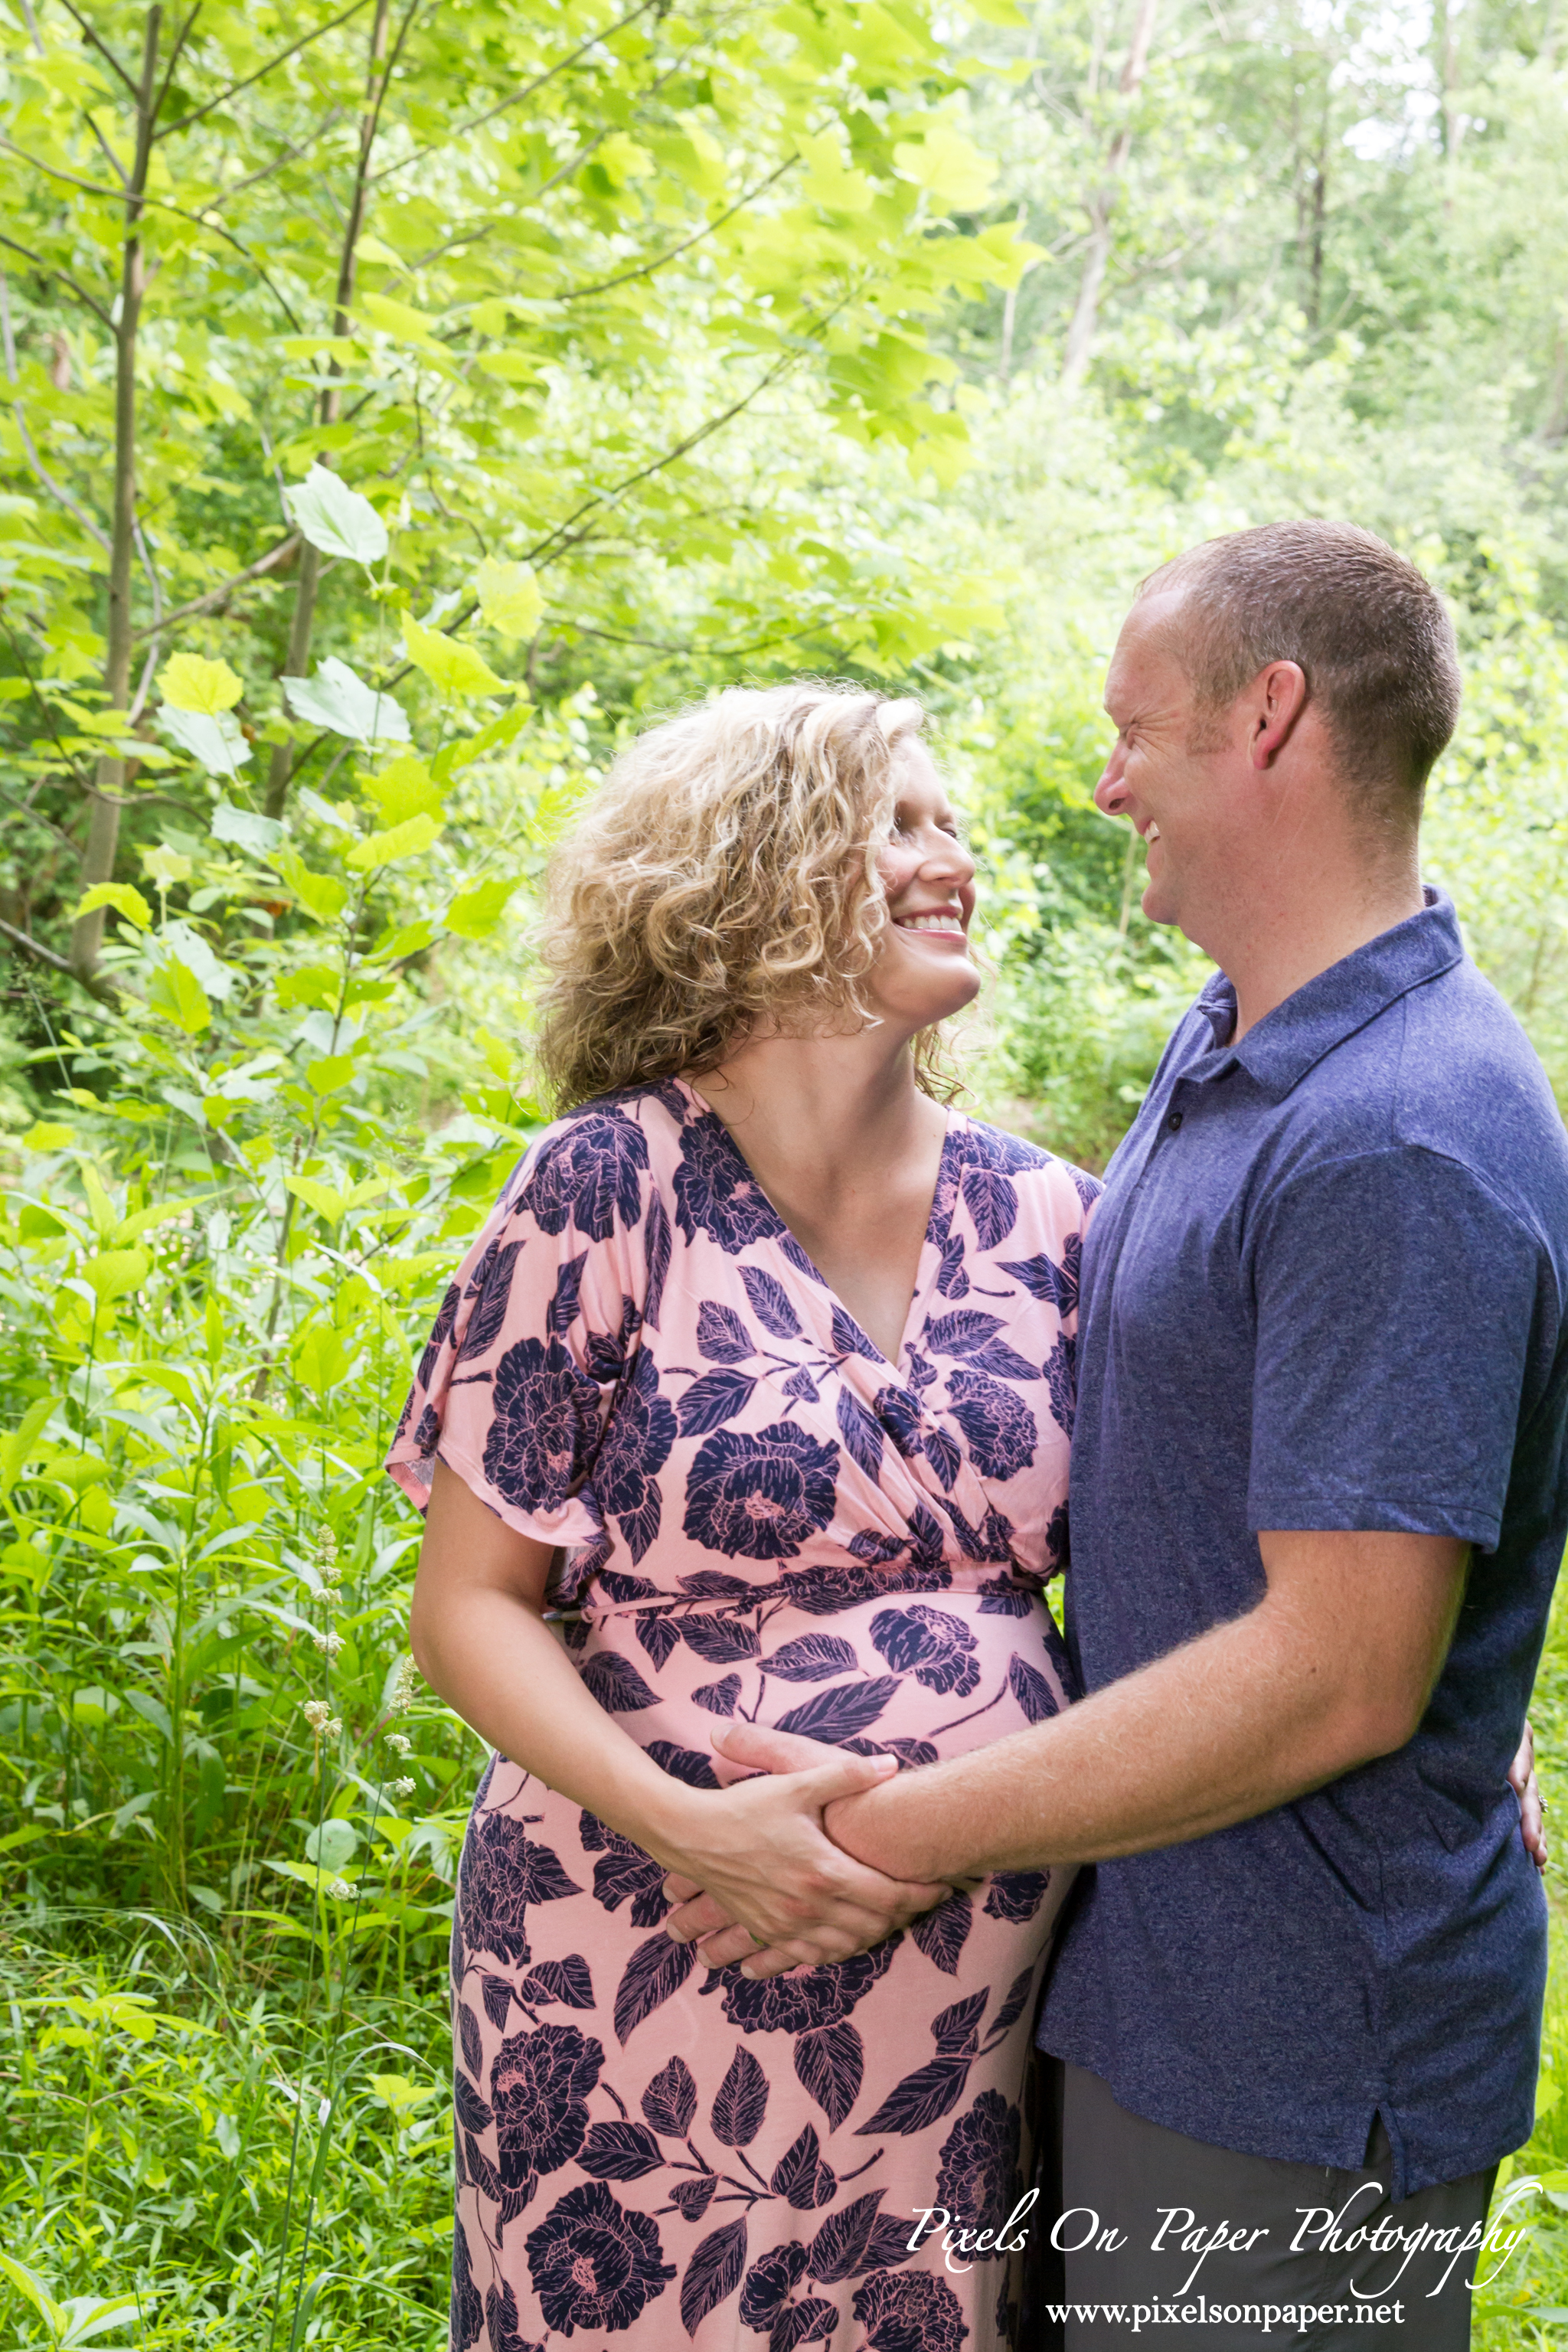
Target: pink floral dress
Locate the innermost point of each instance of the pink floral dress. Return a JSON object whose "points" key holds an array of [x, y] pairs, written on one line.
{"points": [[757, 1515]]}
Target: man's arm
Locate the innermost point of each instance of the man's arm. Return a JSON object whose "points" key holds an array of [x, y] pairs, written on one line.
{"points": [[1333, 1668]]}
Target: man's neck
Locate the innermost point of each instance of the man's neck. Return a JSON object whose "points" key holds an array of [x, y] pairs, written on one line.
{"points": [[1271, 942]]}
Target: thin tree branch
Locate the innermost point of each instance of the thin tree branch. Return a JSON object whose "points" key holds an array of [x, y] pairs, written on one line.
{"points": [[111, 158], [463, 236], [656, 645], [575, 163], [235, 87], [645, 269], [56, 491], [37, 693], [71, 179], [284, 155], [139, 699], [475, 121], [215, 596], [181, 37], [104, 51], [563, 536], [117, 196], [41, 954], [37, 816], [50, 270]]}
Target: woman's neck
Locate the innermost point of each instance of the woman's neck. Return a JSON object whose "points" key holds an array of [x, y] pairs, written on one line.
{"points": [[819, 1117], [848, 1152]]}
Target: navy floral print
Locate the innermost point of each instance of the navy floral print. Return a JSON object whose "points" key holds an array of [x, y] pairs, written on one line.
{"points": [[760, 1497], [757, 1516]]}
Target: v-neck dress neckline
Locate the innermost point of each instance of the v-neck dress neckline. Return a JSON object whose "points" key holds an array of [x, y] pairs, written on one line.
{"points": [[939, 1218]]}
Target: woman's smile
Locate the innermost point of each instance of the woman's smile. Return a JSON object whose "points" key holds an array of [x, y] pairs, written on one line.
{"points": [[938, 923]]}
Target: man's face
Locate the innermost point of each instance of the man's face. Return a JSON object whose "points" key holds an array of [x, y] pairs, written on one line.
{"points": [[1171, 791]]}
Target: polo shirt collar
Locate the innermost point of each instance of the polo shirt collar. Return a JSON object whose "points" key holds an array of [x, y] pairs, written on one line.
{"points": [[1293, 1038]]}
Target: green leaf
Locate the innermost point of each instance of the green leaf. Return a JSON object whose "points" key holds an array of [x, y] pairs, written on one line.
{"points": [[124, 900], [174, 990], [336, 519], [17, 1445], [452, 667], [948, 165], [187, 683], [400, 320], [260, 834], [216, 741], [404, 789], [321, 1361], [396, 2092], [475, 912], [509, 367], [117, 1273], [184, 941], [326, 1202], [463, 748], [321, 895], [510, 597], [331, 1074], [315, 984], [337, 699], [405, 940], [407, 840], [36, 2292], [827, 181], [87, 2316], [165, 866], [335, 1843]]}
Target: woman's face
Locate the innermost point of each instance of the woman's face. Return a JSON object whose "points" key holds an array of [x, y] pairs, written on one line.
{"points": [[923, 971]]}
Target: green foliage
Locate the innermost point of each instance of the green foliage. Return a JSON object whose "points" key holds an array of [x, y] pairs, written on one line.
{"points": [[399, 407]]}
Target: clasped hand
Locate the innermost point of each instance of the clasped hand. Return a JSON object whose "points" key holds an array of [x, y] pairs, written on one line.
{"points": [[770, 1888]]}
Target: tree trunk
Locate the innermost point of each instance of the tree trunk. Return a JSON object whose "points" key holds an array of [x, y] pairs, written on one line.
{"points": [[109, 781], [1101, 207], [298, 661], [1319, 208], [1555, 427]]}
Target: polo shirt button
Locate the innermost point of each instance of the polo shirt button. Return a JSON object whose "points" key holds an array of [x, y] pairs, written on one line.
{"points": [[1174, 1122]]}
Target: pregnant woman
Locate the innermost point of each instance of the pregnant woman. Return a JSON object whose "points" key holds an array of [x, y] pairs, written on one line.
{"points": [[761, 1374]]}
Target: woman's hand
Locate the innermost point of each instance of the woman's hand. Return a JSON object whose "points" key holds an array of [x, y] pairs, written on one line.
{"points": [[780, 1895], [1531, 1803]]}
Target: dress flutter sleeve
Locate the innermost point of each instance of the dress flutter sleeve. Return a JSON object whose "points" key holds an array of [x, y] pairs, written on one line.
{"points": [[536, 1331]]}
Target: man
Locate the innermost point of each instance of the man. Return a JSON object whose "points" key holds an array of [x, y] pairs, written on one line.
{"points": [[1318, 1506]]}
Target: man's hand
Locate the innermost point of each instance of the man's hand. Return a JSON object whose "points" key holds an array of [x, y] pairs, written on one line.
{"points": [[1532, 1804], [824, 1912], [766, 1873]]}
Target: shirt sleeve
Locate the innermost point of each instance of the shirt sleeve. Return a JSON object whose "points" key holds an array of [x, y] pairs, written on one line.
{"points": [[1398, 1304], [535, 1333]]}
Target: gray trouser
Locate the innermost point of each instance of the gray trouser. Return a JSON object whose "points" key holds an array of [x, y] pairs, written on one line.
{"points": [[1167, 2196]]}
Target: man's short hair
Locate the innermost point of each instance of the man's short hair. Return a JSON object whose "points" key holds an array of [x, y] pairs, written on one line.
{"points": [[1371, 634]]}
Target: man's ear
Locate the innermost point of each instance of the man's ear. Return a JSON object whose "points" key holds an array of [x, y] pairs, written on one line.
{"points": [[1274, 699]]}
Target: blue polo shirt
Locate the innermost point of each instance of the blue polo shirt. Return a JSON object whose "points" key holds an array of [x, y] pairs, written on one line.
{"points": [[1324, 1288]]}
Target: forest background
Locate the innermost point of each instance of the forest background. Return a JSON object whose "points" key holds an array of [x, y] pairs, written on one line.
{"points": [[401, 404]]}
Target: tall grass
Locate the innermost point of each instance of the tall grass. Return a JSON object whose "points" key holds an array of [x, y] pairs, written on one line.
{"points": [[232, 1822]]}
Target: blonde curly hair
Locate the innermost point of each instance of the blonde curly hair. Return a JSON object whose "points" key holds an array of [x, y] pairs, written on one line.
{"points": [[725, 869]]}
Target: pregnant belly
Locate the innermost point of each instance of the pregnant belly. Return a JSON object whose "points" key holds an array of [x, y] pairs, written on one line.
{"points": [[921, 1676]]}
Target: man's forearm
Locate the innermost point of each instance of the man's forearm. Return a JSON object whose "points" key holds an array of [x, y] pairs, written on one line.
{"points": [[1217, 1732]]}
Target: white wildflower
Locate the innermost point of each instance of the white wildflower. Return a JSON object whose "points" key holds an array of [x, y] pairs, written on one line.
{"points": [[403, 1788], [398, 1744], [401, 1697], [328, 1645], [340, 1891], [317, 1714]]}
